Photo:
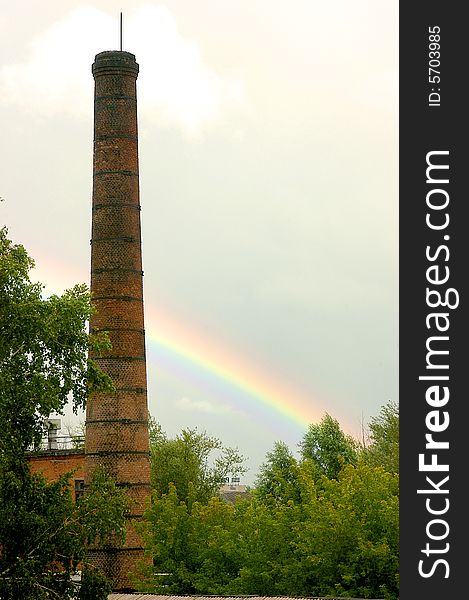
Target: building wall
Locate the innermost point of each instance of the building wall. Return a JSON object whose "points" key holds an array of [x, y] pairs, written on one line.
{"points": [[55, 463]]}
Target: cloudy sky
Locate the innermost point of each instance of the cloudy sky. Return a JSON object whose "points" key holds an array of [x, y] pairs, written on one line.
{"points": [[268, 167]]}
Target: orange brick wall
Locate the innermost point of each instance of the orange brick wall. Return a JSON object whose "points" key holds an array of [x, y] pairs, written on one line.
{"points": [[54, 464]]}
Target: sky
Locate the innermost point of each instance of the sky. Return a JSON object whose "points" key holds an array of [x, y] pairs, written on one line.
{"points": [[268, 172]]}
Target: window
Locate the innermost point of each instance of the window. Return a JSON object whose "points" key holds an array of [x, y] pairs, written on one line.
{"points": [[79, 489]]}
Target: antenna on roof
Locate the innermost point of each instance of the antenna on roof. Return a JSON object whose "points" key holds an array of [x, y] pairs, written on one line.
{"points": [[121, 31]]}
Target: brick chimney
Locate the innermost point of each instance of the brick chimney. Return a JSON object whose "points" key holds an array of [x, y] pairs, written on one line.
{"points": [[117, 423]]}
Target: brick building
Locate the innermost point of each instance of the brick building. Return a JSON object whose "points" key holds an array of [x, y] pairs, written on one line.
{"points": [[53, 463]]}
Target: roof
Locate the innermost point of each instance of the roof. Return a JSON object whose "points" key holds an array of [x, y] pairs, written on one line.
{"points": [[140, 596]]}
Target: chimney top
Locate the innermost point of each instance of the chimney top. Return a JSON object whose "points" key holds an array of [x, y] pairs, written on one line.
{"points": [[113, 62]]}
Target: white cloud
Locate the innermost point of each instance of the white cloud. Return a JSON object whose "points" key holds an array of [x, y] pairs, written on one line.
{"points": [[176, 87], [203, 406], [57, 76], [175, 84]]}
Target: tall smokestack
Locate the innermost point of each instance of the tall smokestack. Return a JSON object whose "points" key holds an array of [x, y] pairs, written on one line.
{"points": [[117, 423]]}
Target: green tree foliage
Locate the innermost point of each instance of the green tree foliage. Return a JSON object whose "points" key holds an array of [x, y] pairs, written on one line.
{"points": [[348, 541], [264, 538], [185, 462], [278, 475], [215, 548], [384, 433], [328, 448], [43, 352], [325, 524], [94, 586], [340, 540], [43, 363], [44, 534]]}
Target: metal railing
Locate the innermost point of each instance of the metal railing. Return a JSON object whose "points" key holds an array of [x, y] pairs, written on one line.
{"points": [[61, 442]]}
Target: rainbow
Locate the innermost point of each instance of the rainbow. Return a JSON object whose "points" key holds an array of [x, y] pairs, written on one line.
{"points": [[179, 347], [180, 350]]}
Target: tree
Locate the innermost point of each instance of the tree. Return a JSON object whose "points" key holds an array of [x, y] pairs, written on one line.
{"points": [[186, 510], [215, 548], [384, 447], [43, 363], [323, 525], [340, 540], [185, 462], [278, 475], [44, 534], [348, 542], [328, 448], [43, 352]]}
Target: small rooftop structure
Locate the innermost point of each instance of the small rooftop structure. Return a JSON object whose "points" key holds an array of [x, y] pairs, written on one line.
{"points": [[230, 491], [56, 440]]}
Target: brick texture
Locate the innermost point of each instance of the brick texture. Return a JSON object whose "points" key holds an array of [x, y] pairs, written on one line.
{"points": [[54, 464], [117, 423]]}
